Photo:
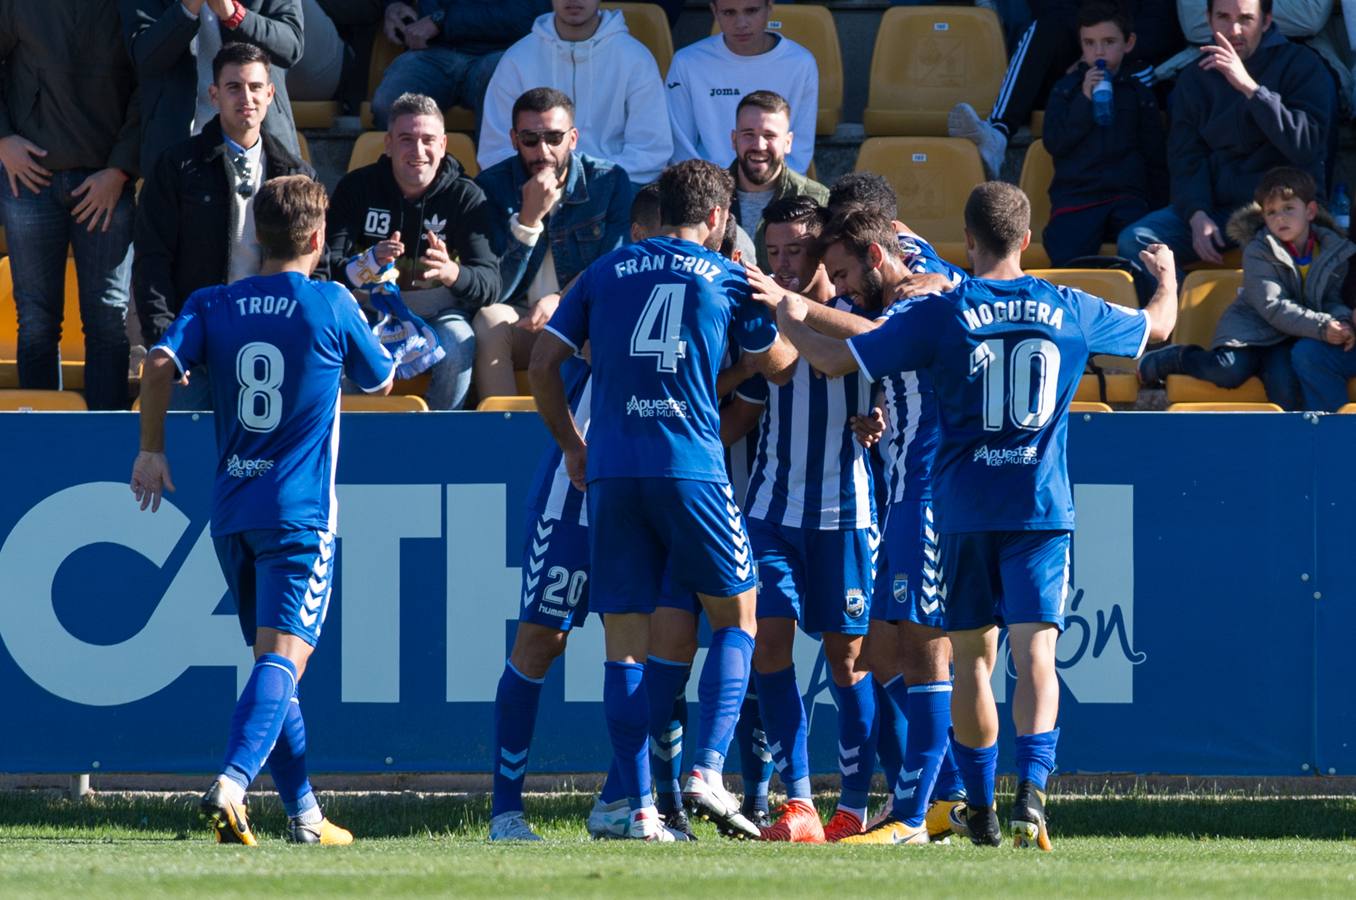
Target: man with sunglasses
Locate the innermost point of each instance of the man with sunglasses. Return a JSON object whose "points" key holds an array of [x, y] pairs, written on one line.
{"points": [[555, 210], [195, 216]]}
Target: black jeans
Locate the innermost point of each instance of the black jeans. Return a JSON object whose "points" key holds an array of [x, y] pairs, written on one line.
{"points": [[1229, 367]]}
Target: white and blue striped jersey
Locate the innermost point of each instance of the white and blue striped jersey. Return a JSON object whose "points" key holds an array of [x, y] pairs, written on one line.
{"points": [[740, 456], [552, 495], [810, 471]]}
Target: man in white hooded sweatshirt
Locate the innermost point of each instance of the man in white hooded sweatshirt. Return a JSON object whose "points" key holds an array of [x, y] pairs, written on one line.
{"points": [[588, 54]]}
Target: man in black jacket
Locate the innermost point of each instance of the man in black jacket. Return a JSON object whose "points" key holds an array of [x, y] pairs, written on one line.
{"points": [[195, 221], [68, 146], [172, 43], [416, 208]]}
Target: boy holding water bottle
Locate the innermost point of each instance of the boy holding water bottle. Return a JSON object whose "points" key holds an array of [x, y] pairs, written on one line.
{"points": [[1108, 146]]}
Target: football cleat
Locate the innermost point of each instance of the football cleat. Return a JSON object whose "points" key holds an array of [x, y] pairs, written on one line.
{"points": [[609, 820], [710, 801], [844, 824], [755, 814], [511, 826], [677, 820], [1028, 818], [889, 831], [981, 824], [946, 817], [797, 823], [886, 811], [227, 818], [645, 825]]}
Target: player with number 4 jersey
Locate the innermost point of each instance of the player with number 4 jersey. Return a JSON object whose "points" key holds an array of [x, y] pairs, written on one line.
{"points": [[1005, 351]]}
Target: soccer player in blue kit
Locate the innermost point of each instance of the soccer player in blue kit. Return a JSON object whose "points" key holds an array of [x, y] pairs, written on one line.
{"points": [[658, 315], [277, 344], [1005, 351]]}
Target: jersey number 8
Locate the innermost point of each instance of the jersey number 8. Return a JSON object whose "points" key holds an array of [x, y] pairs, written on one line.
{"points": [[1032, 383], [259, 369]]}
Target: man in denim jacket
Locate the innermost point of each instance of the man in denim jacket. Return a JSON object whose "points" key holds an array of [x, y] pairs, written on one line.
{"points": [[554, 212]]}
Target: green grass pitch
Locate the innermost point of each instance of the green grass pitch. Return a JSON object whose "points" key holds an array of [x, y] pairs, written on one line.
{"points": [[152, 846]]}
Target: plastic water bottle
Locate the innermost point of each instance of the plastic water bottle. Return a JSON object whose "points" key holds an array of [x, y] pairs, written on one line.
{"points": [[1102, 110], [1341, 207]]}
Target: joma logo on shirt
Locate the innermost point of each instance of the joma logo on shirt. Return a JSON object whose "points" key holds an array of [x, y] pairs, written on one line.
{"points": [[725, 92]]}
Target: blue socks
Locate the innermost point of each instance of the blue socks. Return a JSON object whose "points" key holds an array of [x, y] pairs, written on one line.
{"points": [[976, 767], [628, 720], [612, 791], [856, 743], [786, 727], [755, 762], [259, 715], [929, 712], [892, 728], [1036, 757], [515, 718], [287, 764], [665, 684], [724, 681], [949, 784]]}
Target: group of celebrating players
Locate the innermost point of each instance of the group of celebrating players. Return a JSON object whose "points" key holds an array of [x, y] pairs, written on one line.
{"points": [[862, 336]]}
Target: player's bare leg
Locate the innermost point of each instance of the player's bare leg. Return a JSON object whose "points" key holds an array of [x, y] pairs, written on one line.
{"points": [[673, 645], [1035, 710], [974, 724]]}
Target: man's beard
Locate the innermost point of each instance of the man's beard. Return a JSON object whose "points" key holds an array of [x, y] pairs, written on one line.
{"points": [[774, 168], [873, 291]]}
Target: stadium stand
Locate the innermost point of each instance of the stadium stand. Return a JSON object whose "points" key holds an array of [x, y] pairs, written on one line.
{"points": [[933, 176], [383, 51], [304, 146], [1089, 406], [369, 147], [504, 403], [376, 403], [72, 336], [926, 60], [1224, 406], [314, 113], [1116, 372], [1038, 170], [649, 24], [1205, 295], [16, 400]]}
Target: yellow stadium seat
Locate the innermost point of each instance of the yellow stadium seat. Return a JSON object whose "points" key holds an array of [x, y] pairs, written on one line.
{"points": [[30, 401], [649, 24], [1225, 406], [1038, 170], [72, 345], [507, 404], [1037, 122], [1089, 406], [813, 28], [305, 147], [314, 113], [933, 178], [4, 248], [1347, 409], [1206, 293], [1115, 286], [926, 60], [370, 145], [383, 52], [380, 403], [522, 381]]}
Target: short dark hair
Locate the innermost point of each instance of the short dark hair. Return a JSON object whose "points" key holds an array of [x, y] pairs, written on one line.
{"points": [[287, 211], [1095, 12], [645, 207], [412, 104], [540, 100], [689, 190], [998, 216], [1286, 183], [799, 210], [857, 228], [730, 242], [865, 189], [237, 53], [767, 101], [1265, 5]]}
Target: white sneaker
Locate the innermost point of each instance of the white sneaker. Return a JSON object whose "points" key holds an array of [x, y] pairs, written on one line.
{"points": [[511, 826], [645, 825], [710, 801], [964, 122], [609, 820]]}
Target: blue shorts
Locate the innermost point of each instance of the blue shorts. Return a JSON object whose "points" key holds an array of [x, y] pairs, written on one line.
{"points": [[644, 526], [821, 578], [909, 572], [1004, 578], [555, 573], [672, 597], [279, 579]]}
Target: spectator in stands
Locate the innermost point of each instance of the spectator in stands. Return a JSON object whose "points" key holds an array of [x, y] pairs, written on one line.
{"points": [[555, 210], [1044, 54], [416, 208], [451, 52], [1294, 264], [68, 145], [1106, 176], [645, 213], [762, 140], [316, 75], [195, 216], [173, 44], [707, 79], [620, 109], [1254, 101]]}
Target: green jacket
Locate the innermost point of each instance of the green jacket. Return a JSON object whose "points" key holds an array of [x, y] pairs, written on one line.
{"points": [[790, 184], [67, 83]]}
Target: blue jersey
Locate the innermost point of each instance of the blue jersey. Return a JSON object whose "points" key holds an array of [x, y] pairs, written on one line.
{"points": [[552, 494], [1006, 358], [740, 456], [811, 472], [276, 346], [659, 315]]}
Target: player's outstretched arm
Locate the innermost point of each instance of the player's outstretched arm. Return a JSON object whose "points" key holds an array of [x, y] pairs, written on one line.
{"points": [[1162, 306], [548, 354], [778, 363], [151, 471], [829, 355]]}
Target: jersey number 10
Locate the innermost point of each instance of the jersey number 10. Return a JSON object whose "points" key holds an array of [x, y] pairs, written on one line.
{"points": [[1031, 382], [663, 313]]}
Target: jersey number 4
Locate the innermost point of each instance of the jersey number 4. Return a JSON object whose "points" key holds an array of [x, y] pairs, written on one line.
{"points": [[659, 331], [1031, 382], [259, 370]]}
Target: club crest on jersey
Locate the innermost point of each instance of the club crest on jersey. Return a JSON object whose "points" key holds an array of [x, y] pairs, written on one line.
{"points": [[854, 603], [900, 587], [436, 224]]}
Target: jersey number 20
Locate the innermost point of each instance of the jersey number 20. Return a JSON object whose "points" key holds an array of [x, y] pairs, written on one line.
{"points": [[1032, 380], [659, 331], [259, 369]]}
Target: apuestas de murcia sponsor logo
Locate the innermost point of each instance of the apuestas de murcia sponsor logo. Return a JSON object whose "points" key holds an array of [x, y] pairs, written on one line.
{"points": [[1021, 456], [667, 408], [247, 468]]}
